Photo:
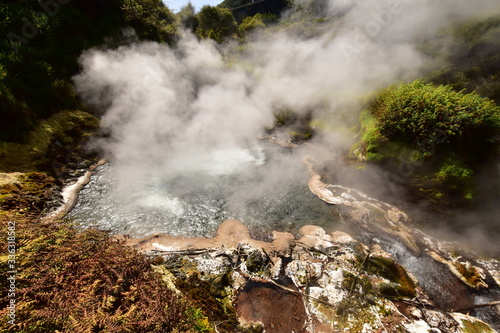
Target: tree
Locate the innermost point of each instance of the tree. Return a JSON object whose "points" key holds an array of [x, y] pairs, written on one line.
{"points": [[151, 19], [251, 23], [41, 45], [216, 23], [187, 17]]}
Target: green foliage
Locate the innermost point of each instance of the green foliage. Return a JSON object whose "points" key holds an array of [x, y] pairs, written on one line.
{"points": [[30, 192], [187, 17], [251, 23], [452, 170], [306, 25], [426, 116], [467, 56], [370, 139], [433, 136], [216, 23], [151, 19], [270, 10], [233, 3], [52, 141], [208, 299], [311, 7], [200, 321], [42, 42]]}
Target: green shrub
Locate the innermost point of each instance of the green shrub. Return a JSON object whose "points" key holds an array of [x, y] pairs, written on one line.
{"points": [[251, 23], [425, 116], [430, 137], [216, 23]]}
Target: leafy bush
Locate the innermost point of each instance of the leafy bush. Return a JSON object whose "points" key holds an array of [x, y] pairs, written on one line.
{"points": [[425, 116], [432, 137], [251, 23], [216, 23], [151, 19]]}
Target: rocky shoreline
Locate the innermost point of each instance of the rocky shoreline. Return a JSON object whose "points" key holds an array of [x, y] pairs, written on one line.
{"points": [[334, 282], [342, 284]]}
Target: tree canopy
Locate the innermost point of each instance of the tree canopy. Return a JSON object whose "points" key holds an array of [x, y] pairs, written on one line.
{"points": [[43, 41], [216, 23]]}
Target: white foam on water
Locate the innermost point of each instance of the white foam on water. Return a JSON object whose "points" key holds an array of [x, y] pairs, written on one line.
{"points": [[218, 162], [174, 206]]}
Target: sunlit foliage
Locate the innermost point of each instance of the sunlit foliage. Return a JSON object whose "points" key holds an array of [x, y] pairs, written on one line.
{"points": [[216, 23], [435, 137]]}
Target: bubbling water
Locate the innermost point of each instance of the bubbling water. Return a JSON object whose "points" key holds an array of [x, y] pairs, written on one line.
{"points": [[192, 195]]}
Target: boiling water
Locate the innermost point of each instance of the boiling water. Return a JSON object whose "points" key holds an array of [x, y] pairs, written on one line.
{"points": [[192, 199]]}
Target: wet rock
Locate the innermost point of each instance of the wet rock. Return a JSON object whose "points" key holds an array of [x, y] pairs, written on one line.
{"points": [[320, 282], [470, 324], [463, 269], [397, 282], [456, 278], [278, 310]]}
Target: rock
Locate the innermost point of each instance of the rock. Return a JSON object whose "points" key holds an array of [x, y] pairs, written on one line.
{"points": [[326, 280], [469, 274], [470, 324], [397, 282], [231, 233], [281, 244], [314, 237], [340, 237]]}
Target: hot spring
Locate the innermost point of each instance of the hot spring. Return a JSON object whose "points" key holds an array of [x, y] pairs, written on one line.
{"points": [[264, 187]]}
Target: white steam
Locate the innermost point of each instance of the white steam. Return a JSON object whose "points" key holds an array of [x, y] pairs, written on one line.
{"points": [[168, 107]]}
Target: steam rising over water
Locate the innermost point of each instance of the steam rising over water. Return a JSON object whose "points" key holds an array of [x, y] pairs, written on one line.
{"points": [[192, 197], [181, 119]]}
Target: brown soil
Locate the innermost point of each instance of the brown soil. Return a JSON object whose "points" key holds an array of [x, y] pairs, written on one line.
{"points": [[280, 311]]}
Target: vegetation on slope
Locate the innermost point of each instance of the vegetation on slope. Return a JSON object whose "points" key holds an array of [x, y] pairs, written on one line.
{"points": [[246, 8], [430, 136], [42, 128], [216, 23], [42, 43], [84, 282], [63, 279], [467, 56]]}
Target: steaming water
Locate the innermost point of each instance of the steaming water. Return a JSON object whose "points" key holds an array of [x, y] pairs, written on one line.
{"points": [[192, 196]]}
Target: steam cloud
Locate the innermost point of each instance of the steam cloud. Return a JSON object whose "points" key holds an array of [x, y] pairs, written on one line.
{"points": [[169, 106]]}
